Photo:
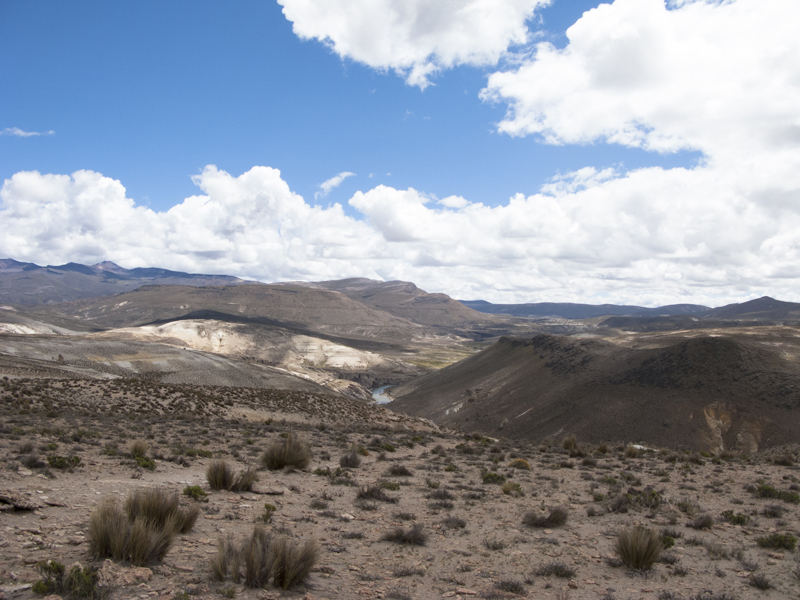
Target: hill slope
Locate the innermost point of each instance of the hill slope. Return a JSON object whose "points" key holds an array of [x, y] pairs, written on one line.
{"points": [[705, 392], [404, 299]]}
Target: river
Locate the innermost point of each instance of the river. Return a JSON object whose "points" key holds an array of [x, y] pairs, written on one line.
{"points": [[379, 396]]}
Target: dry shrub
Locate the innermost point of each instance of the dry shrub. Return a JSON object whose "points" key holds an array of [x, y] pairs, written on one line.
{"points": [[414, 536], [638, 547], [399, 471], [244, 480], [290, 452], [555, 518], [160, 509], [142, 531], [632, 451], [219, 475], [520, 463], [351, 460], [139, 448], [264, 558]]}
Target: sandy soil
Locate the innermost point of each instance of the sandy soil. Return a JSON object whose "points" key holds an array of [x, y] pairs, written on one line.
{"points": [[494, 555]]}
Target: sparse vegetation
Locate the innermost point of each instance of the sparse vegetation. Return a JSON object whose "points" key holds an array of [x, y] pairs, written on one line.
{"points": [[414, 536], [557, 517]]}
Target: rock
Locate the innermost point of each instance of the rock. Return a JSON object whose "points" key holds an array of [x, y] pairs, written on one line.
{"points": [[25, 473], [466, 592], [114, 575], [17, 501], [53, 597]]}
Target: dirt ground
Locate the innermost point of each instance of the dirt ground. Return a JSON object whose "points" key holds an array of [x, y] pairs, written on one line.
{"points": [[476, 544]]}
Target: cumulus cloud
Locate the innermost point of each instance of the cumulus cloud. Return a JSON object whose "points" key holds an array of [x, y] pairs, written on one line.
{"points": [[17, 132], [651, 236], [720, 77], [334, 182], [415, 38]]}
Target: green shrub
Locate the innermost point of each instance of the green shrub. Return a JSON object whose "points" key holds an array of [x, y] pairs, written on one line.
{"points": [[768, 491], [195, 492], [291, 452], [493, 478], [62, 462], [735, 519], [78, 583], [145, 462], [778, 541], [512, 489]]}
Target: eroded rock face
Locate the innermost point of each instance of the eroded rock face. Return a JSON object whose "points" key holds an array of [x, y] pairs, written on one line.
{"points": [[719, 420], [113, 575]]}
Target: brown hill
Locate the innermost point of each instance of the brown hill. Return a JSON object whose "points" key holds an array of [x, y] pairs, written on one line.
{"points": [[704, 392], [404, 299], [300, 309]]}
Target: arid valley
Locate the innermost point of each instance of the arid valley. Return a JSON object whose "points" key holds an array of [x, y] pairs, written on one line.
{"points": [[521, 455]]}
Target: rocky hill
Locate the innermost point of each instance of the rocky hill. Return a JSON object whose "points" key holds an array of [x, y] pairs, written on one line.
{"points": [[703, 392]]}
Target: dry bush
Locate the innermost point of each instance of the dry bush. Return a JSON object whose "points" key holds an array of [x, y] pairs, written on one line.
{"points": [[414, 536], [638, 547], [520, 463], [244, 480], [141, 532], [290, 452], [160, 509], [293, 562], [351, 460], [555, 518], [703, 522], [139, 448], [399, 471], [264, 558], [219, 475], [632, 451]]}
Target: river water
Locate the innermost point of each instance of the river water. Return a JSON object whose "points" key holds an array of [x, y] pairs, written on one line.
{"points": [[379, 396]]}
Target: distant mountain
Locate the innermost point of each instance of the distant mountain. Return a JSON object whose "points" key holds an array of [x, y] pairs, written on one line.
{"points": [[703, 392], [764, 308], [567, 310], [30, 284], [404, 299]]}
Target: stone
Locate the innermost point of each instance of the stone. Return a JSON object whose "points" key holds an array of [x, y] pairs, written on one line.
{"points": [[114, 575]]}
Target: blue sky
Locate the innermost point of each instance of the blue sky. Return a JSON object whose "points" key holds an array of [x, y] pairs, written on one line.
{"points": [[151, 92], [148, 94]]}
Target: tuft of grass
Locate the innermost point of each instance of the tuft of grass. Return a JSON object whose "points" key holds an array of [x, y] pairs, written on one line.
{"points": [[759, 581], [141, 532], [512, 586], [520, 463], [399, 471], [512, 489], [220, 477], [559, 569], [262, 558], [555, 518], [352, 460], [638, 547], [454, 523], [139, 448], [414, 536], [703, 522], [289, 452]]}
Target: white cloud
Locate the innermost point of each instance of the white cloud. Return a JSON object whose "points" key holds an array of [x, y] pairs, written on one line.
{"points": [[334, 182], [17, 132], [720, 77], [652, 236], [415, 38]]}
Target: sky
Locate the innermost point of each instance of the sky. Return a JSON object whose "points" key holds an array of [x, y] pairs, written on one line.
{"points": [[638, 151]]}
